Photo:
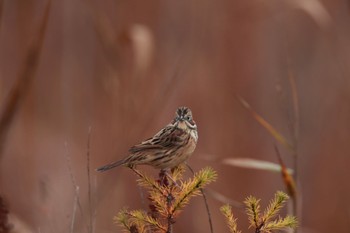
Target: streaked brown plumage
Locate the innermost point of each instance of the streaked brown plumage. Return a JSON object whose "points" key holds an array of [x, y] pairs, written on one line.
{"points": [[170, 147]]}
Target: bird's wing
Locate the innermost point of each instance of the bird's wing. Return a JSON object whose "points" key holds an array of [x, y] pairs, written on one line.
{"points": [[168, 137]]}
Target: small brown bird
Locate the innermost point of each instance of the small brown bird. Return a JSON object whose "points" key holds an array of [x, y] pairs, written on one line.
{"points": [[171, 146]]}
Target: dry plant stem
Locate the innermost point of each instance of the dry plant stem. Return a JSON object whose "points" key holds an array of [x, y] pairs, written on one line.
{"points": [[258, 227], [295, 125], [95, 212], [205, 202], [76, 198], [257, 230], [142, 196], [89, 181], [1, 9], [170, 225], [26, 75], [163, 180], [287, 178], [72, 178], [279, 137], [295, 134]]}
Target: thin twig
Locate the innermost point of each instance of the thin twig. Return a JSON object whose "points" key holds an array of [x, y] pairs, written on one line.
{"points": [[95, 211], [1, 12], [295, 99], [296, 126], [296, 114], [89, 180], [142, 196], [26, 74], [205, 202], [76, 198], [72, 178]]}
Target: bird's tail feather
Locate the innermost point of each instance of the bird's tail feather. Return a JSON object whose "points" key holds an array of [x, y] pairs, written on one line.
{"points": [[110, 166]]}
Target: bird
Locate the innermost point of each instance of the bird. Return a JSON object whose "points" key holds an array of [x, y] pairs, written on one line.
{"points": [[167, 149]]}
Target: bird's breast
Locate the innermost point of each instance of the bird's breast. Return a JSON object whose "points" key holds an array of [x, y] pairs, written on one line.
{"points": [[194, 135]]}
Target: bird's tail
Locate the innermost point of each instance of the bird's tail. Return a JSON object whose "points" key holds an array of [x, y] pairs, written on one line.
{"points": [[110, 166]]}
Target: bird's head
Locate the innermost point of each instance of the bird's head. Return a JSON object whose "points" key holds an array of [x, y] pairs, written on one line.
{"points": [[183, 119]]}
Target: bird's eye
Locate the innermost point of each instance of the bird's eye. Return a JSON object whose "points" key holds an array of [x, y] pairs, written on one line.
{"points": [[188, 118]]}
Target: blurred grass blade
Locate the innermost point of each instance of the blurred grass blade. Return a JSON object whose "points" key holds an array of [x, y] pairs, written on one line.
{"points": [[266, 125], [26, 73], [288, 179], [223, 199], [255, 164]]}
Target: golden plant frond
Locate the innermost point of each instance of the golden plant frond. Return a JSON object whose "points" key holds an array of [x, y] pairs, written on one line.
{"points": [[167, 200], [192, 187], [123, 220], [139, 218], [178, 172], [262, 224], [160, 202], [281, 223], [142, 217], [226, 210], [275, 206], [150, 183], [253, 211]]}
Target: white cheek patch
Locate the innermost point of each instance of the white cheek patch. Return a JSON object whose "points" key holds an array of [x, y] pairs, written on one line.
{"points": [[189, 125]]}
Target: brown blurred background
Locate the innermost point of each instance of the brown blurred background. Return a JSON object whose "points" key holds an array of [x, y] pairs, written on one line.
{"points": [[123, 67]]}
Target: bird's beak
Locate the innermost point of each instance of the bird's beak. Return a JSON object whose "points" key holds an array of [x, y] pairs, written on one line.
{"points": [[181, 119]]}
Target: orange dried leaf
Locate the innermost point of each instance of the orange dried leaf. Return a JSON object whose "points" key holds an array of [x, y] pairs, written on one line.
{"points": [[287, 177]]}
